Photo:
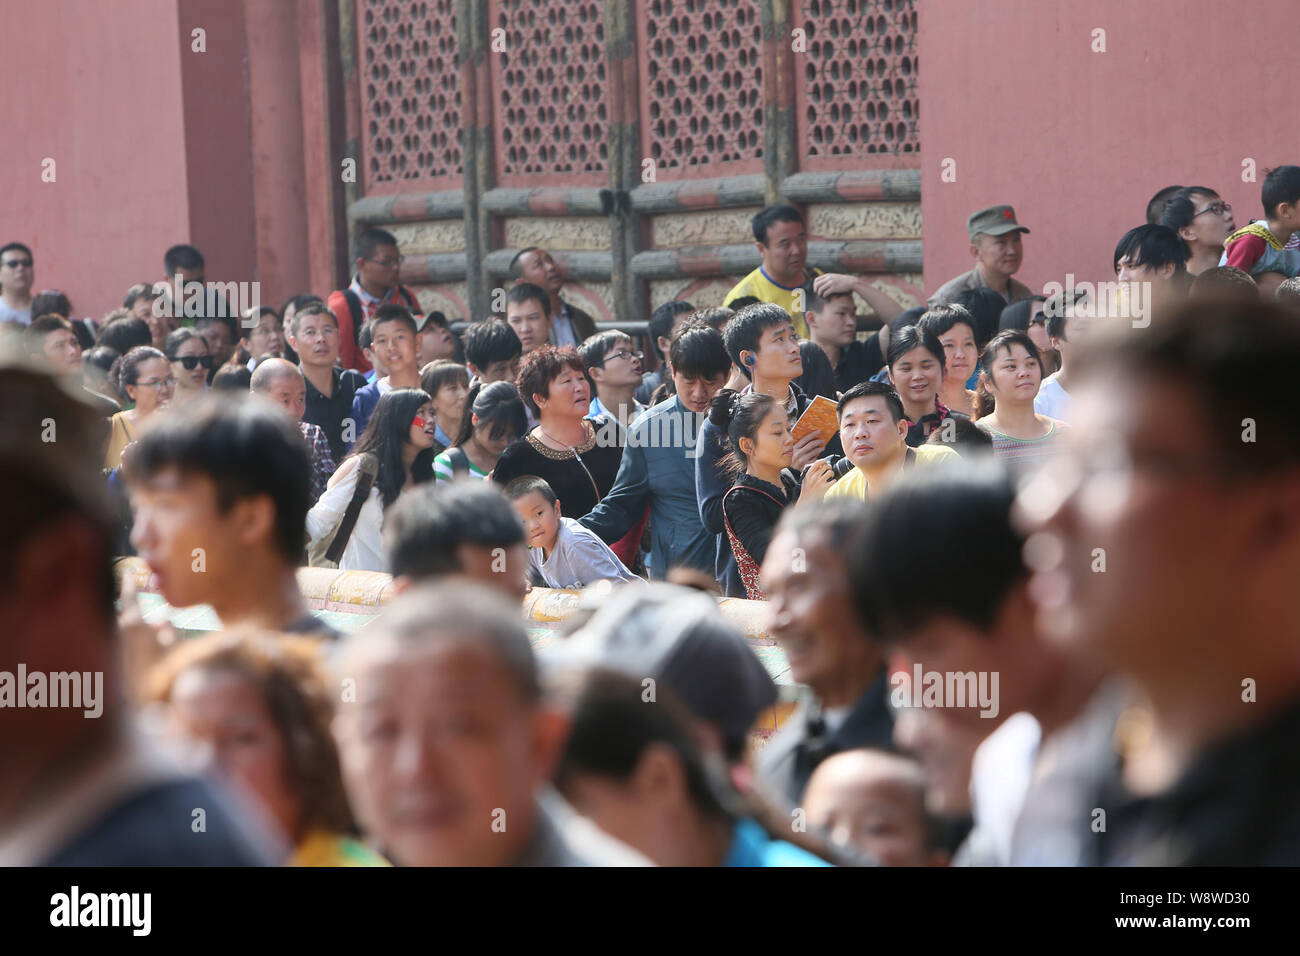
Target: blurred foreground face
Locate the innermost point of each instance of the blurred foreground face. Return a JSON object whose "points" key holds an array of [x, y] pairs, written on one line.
{"points": [[440, 753], [182, 535], [945, 750], [227, 722], [871, 801], [1136, 482]]}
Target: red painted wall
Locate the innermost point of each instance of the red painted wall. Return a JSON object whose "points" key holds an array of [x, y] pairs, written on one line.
{"points": [[1079, 141]]}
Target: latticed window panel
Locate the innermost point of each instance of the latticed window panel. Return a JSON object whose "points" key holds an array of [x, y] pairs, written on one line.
{"points": [[702, 84], [410, 89], [856, 81], [551, 118]]}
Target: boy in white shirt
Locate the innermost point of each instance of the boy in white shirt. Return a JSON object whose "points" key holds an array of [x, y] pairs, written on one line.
{"points": [[562, 552]]}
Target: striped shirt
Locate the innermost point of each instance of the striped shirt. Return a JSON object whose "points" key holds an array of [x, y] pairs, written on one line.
{"points": [[442, 470], [1024, 451]]}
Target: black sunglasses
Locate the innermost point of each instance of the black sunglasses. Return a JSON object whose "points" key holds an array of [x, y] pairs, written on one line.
{"points": [[190, 361]]}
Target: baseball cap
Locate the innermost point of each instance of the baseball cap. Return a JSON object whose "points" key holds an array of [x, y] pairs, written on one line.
{"points": [[678, 637], [994, 221]]}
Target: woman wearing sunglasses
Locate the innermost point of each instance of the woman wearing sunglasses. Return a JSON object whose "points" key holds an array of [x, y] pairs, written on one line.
{"points": [[187, 351]]}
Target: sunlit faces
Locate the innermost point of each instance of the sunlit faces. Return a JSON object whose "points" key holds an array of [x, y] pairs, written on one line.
{"points": [[440, 746], [177, 521], [423, 432], [567, 394], [228, 722], [808, 603], [960, 354], [1212, 221], [195, 378], [786, 251], [917, 375], [772, 446], [153, 386], [396, 345], [1016, 375], [436, 343], [999, 255], [449, 403], [541, 519], [381, 271], [539, 268], [266, 336], [621, 368], [506, 370], [63, 352], [696, 392], [530, 322], [836, 324], [869, 434], [316, 339], [290, 393], [778, 354], [1132, 472]]}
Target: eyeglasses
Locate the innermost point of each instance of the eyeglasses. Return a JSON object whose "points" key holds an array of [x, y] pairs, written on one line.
{"points": [[1218, 208], [625, 353], [18, 263], [388, 263], [157, 383], [190, 362]]}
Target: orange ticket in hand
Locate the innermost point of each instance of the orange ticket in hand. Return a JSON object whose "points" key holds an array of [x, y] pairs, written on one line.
{"points": [[820, 418]]}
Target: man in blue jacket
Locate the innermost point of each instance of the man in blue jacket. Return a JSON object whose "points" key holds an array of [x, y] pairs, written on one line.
{"points": [[658, 468]]}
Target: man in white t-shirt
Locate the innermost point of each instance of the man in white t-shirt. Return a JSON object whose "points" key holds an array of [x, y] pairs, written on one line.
{"points": [[1053, 398]]}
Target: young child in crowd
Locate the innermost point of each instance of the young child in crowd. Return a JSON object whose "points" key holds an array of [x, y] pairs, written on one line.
{"points": [[560, 550], [1265, 246]]}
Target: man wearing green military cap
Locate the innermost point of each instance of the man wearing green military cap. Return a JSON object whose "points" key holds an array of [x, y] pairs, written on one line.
{"points": [[995, 244]]}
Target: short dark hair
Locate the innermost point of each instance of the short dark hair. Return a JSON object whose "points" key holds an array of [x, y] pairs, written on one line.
{"points": [[770, 214], [232, 377], [595, 348], [47, 323], [716, 316], [246, 447], [122, 335], [498, 406], [914, 337], [1180, 210], [489, 341], [1057, 321], [1003, 341], [526, 485], [815, 303], [17, 245], [1238, 360], [949, 525], [141, 290], [424, 530], [181, 257], [50, 302], [698, 351], [940, 319], [744, 329], [392, 313], [869, 389], [1224, 282], [662, 321], [541, 367], [517, 261], [313, 306], [203, 321], [985, 309], [1018, 315], [1156, 207], [1153, 247], [371, 239], [740, 301], [525, 291], [440, 373], [1281, 185]]}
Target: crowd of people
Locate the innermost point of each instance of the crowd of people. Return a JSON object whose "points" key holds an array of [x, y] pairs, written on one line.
{"points": [[1028, 559]]}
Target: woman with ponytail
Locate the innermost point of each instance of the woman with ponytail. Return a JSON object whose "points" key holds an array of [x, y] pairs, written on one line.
{"points": [[757, 430], [494, 418]]}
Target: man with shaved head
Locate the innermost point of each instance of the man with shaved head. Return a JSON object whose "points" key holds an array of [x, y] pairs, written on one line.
{"points": [[283, 383], [448, 746]]}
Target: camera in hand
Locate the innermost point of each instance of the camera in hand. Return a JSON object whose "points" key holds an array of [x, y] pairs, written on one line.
{"points": [[840, 465]]}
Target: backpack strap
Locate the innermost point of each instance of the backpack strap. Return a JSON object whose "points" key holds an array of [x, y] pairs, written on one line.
{"points": [[459, 460], [358, 316], [349, 521]]}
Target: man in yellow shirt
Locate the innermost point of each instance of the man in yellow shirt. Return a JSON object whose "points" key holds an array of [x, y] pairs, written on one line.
{"points": [[873, 431], [784, 276]]}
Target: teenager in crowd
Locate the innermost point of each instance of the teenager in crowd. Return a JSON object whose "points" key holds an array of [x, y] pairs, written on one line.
{"points": [[1156, 256], [761, 342], [916, 369], [1200, 613], [563, 449], [187, 351], [400, 437], [954, 327], [757, 429], [658, 469], [528, 312], [1203, 221], [1264, 248], [833, 325], [449, 715], [1012, 374], [375, 283], [492, 352], [220, 491], [810, 613], [394, 340], [448, 383], [144, 376], [493, 420], [614, 372], [313, 332], [665, 322], [1066, 327], [259, 707]]}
